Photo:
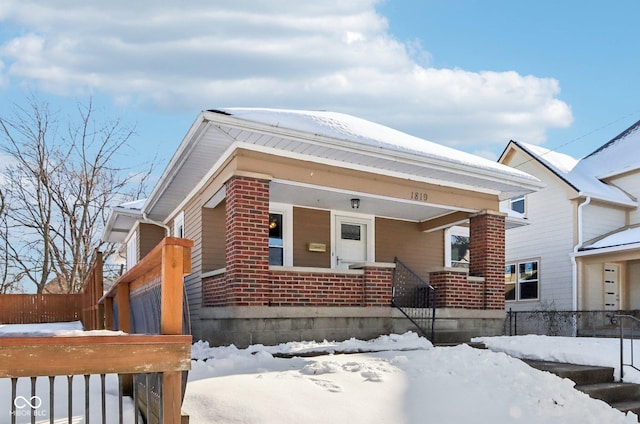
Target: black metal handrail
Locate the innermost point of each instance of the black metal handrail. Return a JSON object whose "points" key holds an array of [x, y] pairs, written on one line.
{"points": [[415, 298], [619, 318]]}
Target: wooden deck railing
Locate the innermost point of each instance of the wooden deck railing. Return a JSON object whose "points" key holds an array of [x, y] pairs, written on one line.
{"points": [[162, 269], [167, 353], [48, 357]]}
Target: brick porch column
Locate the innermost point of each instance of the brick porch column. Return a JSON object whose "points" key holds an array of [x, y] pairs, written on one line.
{"points": [[247, 240], [487, 244]]}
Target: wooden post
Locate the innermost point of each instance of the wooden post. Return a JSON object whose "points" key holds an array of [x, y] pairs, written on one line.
{"points": [[124, 308], [108, 313], [171, 297], [174, 266]]}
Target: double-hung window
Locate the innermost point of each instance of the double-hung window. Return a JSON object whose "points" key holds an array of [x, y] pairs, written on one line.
{"points": [[522, 280]]}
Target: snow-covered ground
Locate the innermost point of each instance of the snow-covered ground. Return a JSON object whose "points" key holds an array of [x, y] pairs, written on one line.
{"points": [[402, 379], [392, 379]]}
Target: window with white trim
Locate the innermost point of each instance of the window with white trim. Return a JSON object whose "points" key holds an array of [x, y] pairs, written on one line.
{"points": [[132, 250], [457, 247], [280, 235], [178, 225], [522, 280], [517, 204]]}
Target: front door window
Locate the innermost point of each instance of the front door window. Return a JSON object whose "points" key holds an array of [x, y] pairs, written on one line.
{"points": [[352, 241]]}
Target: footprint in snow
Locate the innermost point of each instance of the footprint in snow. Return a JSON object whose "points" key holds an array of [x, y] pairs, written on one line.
{"points": [[328, 385]]}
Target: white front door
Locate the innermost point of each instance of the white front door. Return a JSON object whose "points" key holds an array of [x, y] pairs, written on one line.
{"points": [[351, 241], [611, 287]]}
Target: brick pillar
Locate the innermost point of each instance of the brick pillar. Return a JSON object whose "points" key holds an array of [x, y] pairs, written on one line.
{"points": [[247, 240], [487, 243], [378, 285]]}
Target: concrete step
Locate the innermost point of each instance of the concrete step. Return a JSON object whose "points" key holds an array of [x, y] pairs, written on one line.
{"points": [[580, 374], [597, 382], [628, 406], [612, 392]]}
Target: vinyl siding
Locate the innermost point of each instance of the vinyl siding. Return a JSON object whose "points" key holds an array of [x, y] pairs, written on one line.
{"points": [[311, 226], [149, 235], [422, 252], [630, 183], [600, 219], [549, 238]]}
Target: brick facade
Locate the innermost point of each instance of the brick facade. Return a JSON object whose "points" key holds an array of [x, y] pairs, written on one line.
{"points": [[247, 240], [487, 245], [249, 282], [454, 289], [372, 287]]}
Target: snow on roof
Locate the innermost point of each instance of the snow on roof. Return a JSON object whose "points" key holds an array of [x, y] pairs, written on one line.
{"points": [[619, 155], [620, 238], [366, 133], [134, 205], [583, 175], [558, 161]]}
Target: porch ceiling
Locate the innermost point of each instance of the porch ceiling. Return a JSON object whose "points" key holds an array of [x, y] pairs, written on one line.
{"points": [[340, 200]]}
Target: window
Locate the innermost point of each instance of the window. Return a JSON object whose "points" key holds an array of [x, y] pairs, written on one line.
{"points": [[132, 250], [178, 226], [276, 239], [517, 204], [521, 281], [457, 247], [280, 234]]}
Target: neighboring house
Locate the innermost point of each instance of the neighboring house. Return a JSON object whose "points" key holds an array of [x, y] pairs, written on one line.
{"points": [[581, 249], [297, 217]]}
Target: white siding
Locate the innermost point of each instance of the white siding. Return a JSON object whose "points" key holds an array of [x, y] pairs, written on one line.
{"points": [[600, 219], [549, 238], [633, 283], [630, 183]]}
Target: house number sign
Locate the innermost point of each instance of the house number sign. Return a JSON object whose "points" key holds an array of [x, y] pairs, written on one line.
{"points": [[420, 196]]}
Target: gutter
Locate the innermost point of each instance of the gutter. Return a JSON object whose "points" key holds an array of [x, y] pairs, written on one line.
{"points": [[576, 248], [146, 220]]}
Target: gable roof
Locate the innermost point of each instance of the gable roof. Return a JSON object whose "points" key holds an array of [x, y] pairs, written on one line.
{"points": [[619, 155], [582, 175]]}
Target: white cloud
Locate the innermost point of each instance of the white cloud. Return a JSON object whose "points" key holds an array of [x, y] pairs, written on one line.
{"points": [[332, 55]]}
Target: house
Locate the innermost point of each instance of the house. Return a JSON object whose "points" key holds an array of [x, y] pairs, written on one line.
{"points": [[581, 251], [297, 218]]}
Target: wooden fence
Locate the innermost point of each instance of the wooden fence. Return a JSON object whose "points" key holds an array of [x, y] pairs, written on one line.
{"points": [[50, 307], [167, 354], [40, 308]]}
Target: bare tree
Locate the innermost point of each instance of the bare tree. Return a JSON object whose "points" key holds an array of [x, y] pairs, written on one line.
{"points": [[59, 186]]}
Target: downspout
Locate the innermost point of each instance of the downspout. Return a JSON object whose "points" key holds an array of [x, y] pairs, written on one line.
{"points": [[576, 248], [146, 219]]}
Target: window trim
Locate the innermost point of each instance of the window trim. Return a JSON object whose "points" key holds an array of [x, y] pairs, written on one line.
{"points": [[178, 224], [518, 282], [456, 230], [132, 250], [286, 210], [516, 199]]}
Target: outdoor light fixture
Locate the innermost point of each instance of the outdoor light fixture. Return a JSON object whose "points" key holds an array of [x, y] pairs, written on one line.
{"points": [[355, 203]]}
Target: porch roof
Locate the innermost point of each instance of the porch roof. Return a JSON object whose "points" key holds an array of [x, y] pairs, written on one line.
{"points": [[324, 137]]}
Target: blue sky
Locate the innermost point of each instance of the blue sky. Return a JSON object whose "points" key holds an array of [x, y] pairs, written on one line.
{"points": [[469, 74]]}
